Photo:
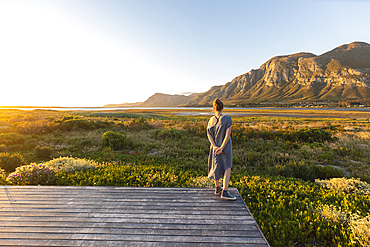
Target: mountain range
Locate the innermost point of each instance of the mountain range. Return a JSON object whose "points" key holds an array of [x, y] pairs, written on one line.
{"points": [[340, 74]]}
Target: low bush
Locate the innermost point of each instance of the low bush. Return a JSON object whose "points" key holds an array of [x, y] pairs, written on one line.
{"points": [[196, 129], [116, 141], [70, 164], [79, 142], [43, 152], [360, 226], [138, 175], [3, 180], [30, 143], [304, 135], [324, 172], [346, 185], [202, 181], [169, 133], [286, 210], [76, 124], [69, 123], [294, 169], [33, 175], [365, 178], [9, 139], [141, 123], [10, 161]]}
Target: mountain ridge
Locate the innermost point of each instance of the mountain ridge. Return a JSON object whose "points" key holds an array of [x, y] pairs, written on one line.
{"points": [[341, 73]]}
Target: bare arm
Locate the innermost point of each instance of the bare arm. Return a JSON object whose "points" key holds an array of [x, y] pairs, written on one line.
{"points": [[211, 123], [212, 141], [225, 141]]}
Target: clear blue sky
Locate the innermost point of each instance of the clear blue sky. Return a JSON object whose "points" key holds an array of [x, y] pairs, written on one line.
{"points": [[97, 52]]}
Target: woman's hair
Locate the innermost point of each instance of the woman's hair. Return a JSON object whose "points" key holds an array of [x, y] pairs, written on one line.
{"points": [[218, 105]]}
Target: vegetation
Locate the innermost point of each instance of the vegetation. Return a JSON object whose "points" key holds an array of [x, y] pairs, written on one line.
{"points": [[10, 161], [306, 180]]}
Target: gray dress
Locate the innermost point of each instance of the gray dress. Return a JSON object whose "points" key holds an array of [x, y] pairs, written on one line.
{"points": [[218, 164]]}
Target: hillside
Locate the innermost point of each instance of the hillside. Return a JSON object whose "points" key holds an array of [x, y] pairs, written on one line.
{"points": [[340, 74]]}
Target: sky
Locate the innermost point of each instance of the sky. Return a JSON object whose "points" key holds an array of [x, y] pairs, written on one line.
{"points": [[82, 53]]}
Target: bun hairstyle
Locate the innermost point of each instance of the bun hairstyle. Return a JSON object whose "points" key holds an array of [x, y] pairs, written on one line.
{"points": [[218, 105]]}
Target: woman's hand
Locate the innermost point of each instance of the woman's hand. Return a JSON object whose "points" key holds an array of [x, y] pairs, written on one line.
{"points": [[218, 150]]}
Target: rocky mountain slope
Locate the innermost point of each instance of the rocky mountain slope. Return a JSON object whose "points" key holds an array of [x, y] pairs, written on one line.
{"points": [[164, 100], [342, 73]]}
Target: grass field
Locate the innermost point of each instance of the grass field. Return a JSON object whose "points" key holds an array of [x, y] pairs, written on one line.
{"points": [[298, 175]]}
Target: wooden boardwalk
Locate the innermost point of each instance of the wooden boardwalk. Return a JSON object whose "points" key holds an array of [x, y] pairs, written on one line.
{"points": [[124, 216]]}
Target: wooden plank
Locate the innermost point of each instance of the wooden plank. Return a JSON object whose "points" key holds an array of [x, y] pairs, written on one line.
{"points": [[135, 237], [129, 220], [252, 231], [119, 243], [50, 224], [124, 216], [133, 210]]}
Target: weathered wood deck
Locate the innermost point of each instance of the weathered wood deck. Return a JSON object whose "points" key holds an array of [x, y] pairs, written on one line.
{"points": [[124, 216]]}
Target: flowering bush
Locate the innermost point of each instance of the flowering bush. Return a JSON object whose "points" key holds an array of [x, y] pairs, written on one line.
{"points": [[360, 226], [289, 214], [155, 177], [202, 181], [348, 186], [70, 164], [129, 175], [33, 175], [205, 182]]}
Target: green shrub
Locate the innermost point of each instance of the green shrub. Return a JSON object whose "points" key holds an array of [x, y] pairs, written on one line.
{"points": [[9, 162], [294, 169], [69, 123], [43, 152], [107, 154], [79, 142], [66, 118], [324, 172], [77, 124], [116, 141], [9, 139], [70, 164], [304, 135], [146, 175], [196, 129], [309, 135], [365, 178], [285, 209], [169, 133], [142, 123], [30, 143], [33, 175], [3, 180], [3, 148]]}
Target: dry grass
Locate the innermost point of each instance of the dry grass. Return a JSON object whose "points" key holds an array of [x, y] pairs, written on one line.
{"points": [[348, 186]]}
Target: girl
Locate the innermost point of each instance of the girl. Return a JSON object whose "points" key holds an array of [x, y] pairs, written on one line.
{"points": [[220, 154]]}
